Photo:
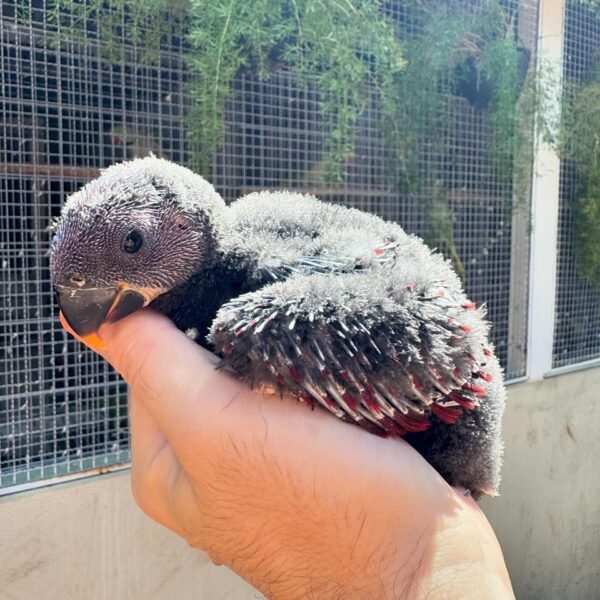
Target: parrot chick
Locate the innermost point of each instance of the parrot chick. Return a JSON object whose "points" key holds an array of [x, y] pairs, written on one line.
{"points": [[329, 304]]}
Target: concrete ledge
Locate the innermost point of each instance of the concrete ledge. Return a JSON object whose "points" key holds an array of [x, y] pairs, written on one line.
{"points": [[87, 539]]}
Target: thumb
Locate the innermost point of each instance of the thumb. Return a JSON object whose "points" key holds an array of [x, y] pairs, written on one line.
{"points": [[165, 369], [141, 346]]}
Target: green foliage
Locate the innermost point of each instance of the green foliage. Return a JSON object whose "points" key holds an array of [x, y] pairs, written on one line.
{"points": [[413, 67], [500, 61], [581, 143], [120, 25], [440, 231], [466, 49], [587, 232], [353, 51], [345, 47], [581, 128], [348, 48]]}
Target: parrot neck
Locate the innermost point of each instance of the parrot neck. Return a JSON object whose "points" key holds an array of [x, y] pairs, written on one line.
{"points": [[227, 273], [194, 304]]}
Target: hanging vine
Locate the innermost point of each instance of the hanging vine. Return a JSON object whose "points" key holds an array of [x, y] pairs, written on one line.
{"points": [[347, 48], [354, 53]]}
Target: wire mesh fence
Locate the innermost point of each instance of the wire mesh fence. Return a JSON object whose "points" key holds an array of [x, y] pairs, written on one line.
{"points": [[67, 111], [577, 323], [64, 113]]}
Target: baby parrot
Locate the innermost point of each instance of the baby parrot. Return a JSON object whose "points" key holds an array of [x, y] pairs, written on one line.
{"points": [[332, 305]]}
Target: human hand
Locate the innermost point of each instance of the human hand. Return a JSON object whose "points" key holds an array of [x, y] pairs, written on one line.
{"points": [[298, 503]]}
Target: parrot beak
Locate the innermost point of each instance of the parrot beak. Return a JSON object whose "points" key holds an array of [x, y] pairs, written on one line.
{"points": [[86, 309]]}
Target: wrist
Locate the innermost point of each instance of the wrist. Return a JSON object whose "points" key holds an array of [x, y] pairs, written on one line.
{"points": [[367, 552], [454, 555]]}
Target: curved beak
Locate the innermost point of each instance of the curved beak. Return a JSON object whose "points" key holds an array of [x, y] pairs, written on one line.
{"points": [[86, 309]]}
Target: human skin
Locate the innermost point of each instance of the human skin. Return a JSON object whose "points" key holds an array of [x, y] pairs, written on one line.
{"points": [[296, 502]]}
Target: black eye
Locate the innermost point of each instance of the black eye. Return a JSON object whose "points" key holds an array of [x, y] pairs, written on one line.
{"points": [[133, 242]]}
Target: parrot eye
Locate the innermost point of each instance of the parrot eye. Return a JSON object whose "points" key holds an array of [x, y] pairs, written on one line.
{"points": [[133, 242]]}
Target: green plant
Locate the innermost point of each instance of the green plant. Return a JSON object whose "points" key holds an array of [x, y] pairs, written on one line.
{"points": [[467, 49], [413, 66], [581, 144], [120, 25], [581, 127], [587, 232], [440, 230], [347, 48]]}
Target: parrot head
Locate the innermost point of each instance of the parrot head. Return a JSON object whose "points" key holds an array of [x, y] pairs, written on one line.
{"points": [[139, 230]]}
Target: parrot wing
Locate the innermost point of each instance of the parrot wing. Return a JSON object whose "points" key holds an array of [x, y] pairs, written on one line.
{"points": [[371, 346]]}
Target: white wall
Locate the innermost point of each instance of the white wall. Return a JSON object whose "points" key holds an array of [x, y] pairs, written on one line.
{"points": [[548, 514], [87, 540]]}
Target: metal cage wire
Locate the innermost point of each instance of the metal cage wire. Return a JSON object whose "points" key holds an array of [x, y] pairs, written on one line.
{"points": [[577, 313], [66, 112]]}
